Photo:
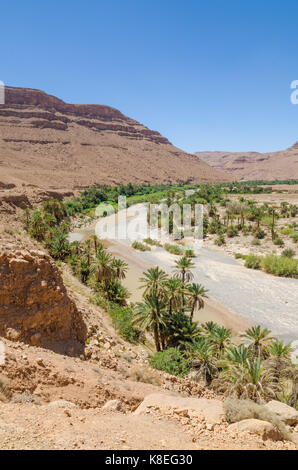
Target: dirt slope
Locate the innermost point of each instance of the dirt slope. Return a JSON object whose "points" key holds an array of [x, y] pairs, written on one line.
{"points": [[55, 145], [253, 165]]}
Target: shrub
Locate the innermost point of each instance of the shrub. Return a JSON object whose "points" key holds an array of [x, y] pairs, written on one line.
{"points": [[288, 252], [236, 410], [145, 375], [294, 237], [253, 261], [122, 318], [278, 241], [26, 398], [140, 246], [150, 241], [240, 256], [171, 361], [4, 393], [232, 232], [219, 241], [189, 253], [280, 266], [259, 233], [174, 249], [256, 242]]}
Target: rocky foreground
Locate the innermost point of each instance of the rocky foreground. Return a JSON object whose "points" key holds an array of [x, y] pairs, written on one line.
{"points": [[59, 391]]}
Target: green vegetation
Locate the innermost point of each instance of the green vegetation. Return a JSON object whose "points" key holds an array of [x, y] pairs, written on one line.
{"points": [[150, 241], [256, 366], [253, 261], [171, 361], [140, 246], [174, 249]]}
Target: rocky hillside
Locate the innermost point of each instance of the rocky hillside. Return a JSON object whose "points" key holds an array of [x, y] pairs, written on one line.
{"points": [[255, 166], [48, 143]]}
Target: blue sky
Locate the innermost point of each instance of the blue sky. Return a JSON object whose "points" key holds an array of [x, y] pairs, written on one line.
{"points": [[207, 74]]}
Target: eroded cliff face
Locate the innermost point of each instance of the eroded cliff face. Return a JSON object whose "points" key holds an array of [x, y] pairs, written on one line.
{"points": [[34, 305], [59, 146]]}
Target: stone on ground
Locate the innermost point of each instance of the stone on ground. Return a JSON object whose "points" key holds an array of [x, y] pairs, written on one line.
{"points": [[256, 426], [286, 413]]}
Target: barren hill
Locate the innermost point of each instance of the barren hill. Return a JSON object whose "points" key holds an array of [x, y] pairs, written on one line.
{"points": [[49, 143], [253, 165]]}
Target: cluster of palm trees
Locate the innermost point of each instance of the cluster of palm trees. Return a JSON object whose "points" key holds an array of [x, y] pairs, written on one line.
{"points": [[99, 269], [169, 304]]}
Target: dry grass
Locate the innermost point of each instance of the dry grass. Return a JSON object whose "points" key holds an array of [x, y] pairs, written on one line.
{"points": [[4, 392], [145, 375]]}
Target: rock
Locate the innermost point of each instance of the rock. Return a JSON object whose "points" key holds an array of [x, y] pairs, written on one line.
{"points": [[36, 312], [286, 413], [13, 334], [113, 405], [62, 404], [35, 339], [256, 426], [40, 362], [211, 410]]}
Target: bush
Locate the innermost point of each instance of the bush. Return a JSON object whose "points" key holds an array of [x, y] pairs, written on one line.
{"points": [[171, 361], [259, 233], [278, 241], [150, 241], [280, 266], [189, 253], [256, 242], [174, 249], [253, 261], [145, 375], [4, 392], [232, 232], [122, 318], [239, 256], [140, 246], [288, 252], [219, 241]]}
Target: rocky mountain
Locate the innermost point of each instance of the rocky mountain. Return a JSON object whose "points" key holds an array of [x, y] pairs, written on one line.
{"points": [[48, 143], [253, 165]]}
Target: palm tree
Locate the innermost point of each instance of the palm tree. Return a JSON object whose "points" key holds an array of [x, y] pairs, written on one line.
{"points": [[149, 316], [221, 338], [182, 271], [237, 354], [173, 293], [209, 327], [280, 350], [258, 340], [250, 381], [102, 266], [197, 294], [154, 281], [120, 268], [204, 361]]}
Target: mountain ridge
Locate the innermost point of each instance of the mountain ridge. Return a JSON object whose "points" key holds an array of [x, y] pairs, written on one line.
{"points": [[56, 145]]}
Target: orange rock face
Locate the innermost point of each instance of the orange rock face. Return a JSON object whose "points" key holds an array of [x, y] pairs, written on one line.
{"points": [[34, 305]]}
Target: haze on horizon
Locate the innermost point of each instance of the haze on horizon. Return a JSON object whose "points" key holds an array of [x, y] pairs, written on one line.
{"points": [[207, 75]]}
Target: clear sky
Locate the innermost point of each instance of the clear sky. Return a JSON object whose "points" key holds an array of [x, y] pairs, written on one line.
{"points": [[207, 74]]}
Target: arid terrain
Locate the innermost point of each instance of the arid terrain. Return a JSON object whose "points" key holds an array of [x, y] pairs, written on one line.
{"points": [[281, 165], [50, 144]]}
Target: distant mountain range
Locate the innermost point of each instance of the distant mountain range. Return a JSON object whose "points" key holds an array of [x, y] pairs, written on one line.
{"points": [[48, 143], [253, 165]]}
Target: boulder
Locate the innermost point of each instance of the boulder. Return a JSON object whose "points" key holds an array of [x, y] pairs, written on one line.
{"points": [[211, 410], [255, 426], [286, 413]]}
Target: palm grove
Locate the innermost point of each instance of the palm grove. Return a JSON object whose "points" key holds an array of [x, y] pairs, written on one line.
{"points": [[254, 366]]}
